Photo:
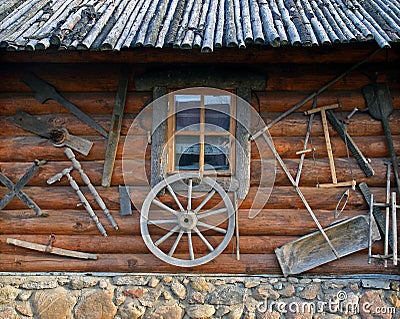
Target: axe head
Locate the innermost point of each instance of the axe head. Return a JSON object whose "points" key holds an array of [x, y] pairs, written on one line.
{"points": [[43, 90]]}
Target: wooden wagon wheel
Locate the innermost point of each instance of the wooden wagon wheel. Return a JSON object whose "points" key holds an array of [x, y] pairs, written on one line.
{"points": [[166, 227]]}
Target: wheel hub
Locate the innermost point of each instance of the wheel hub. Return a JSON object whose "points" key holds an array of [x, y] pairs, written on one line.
{"points": [[188, 220]]}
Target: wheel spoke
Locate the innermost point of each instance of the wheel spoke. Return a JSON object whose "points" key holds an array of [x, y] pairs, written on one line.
{"points": [[178, 238], [208, 226], [163, 221], [205, 241], [175, 197], [190, 244], [212, 213], [189, 204], [211, 194], [163, 206], [167, 235]]}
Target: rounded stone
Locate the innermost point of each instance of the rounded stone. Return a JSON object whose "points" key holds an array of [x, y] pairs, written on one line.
{"points": [[53, 304], [200, 311], [98, 305], [172, 311], [179, 290], [131, 310], [200, 284]]}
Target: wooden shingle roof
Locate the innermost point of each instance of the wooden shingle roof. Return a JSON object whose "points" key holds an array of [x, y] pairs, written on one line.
{"points": [[186, 24]]}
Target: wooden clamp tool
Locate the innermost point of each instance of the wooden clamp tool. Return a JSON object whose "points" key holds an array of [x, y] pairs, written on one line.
{"points": [[115, 129], [16, 189], [323, 110], [50, 249], [82, 198]]}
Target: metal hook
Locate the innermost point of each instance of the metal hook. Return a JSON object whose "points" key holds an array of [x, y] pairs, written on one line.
{"points": [[344, 198]]}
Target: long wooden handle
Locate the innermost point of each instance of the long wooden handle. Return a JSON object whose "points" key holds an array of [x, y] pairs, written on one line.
{"points": [[389, 140]]}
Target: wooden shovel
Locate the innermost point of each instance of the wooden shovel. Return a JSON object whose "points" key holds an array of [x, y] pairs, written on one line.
{"points": [[379, 103]]}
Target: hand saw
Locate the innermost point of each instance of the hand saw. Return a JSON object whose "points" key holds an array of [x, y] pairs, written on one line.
{"points": [[59, 136], [44, 92]]}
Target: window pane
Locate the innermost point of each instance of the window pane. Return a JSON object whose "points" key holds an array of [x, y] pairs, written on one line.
{"points": [[187, 152], [216, 152], [187, 108], [217, 112]]}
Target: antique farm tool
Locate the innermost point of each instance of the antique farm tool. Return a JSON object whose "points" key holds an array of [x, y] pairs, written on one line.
{"points": [[188, 214], [44, 92], [311, 250], [379, 103], [393, 206], [340, 128], [115, 128], [50, 249], [59, 136], [298, 191], [323, 111], [379, 217], [82, 198], [313, 95], [16, 189], [125, 205], [305, 150], [75, 163]]}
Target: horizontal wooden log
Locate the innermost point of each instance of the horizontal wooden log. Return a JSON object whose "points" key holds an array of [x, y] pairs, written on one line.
{"points": [[339, 53], [282, 197], [249, 263], [93, 77], [254, 222], [312, 172], [294, 125], [29, 148], [129, 244], [88, 102]]}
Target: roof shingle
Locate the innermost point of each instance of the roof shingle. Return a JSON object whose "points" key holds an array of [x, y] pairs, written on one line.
{"points": [[186, 24]]}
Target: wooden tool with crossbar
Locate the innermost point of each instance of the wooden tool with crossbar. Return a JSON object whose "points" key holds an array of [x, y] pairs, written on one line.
{"points": [[323, 110]]}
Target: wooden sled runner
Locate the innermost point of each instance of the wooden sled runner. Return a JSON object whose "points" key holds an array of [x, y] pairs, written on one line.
{"points": [[312, 250]]}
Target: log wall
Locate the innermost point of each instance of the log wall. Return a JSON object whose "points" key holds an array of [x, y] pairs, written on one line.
{"points": [[92, 87]]}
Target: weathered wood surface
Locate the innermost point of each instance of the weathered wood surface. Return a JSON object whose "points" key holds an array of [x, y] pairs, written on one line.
{"points": [[283, 218], [346, 53], [248, 264], [312, 172]]}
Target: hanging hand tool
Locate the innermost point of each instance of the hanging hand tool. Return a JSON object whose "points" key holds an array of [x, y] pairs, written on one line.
{"points": [[50, 249], [125, 206], [16, 189], [393, 206], [379, 217], [59, 136], [342, 201], [115, 129], [379, 103], [86, 180], [339, 127], [323, 110], [82, 198], [298, 191], [312, 95], [44, 92]]}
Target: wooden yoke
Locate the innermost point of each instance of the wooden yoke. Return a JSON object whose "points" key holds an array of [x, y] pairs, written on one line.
{"points": [[323, 110]]}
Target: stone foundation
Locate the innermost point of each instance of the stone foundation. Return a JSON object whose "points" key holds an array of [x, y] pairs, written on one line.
{"points": [[127, 296]]}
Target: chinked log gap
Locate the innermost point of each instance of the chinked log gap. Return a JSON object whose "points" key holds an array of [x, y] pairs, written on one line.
{"points": [[115, 128], [59, 136], [50, 249], [16, 189], [44, 92]]}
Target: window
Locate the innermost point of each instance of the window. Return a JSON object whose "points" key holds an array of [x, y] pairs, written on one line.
{"points": [[201, 133]]}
